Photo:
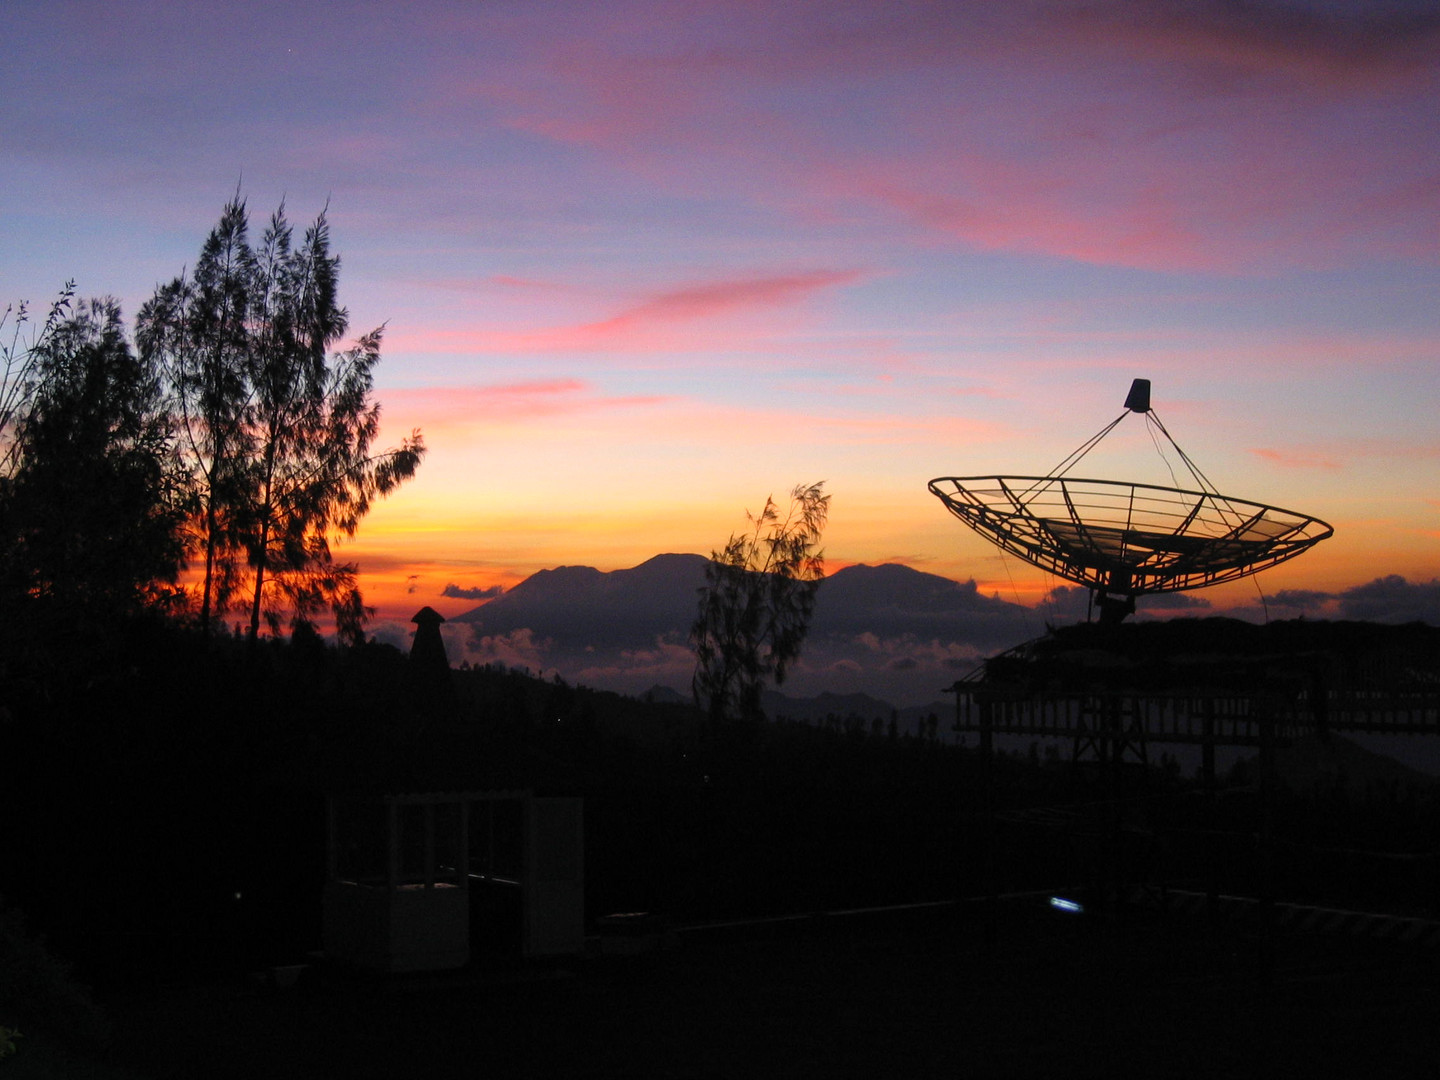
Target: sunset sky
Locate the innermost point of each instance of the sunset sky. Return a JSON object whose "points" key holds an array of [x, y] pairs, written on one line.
{"points": [[642, 263]]}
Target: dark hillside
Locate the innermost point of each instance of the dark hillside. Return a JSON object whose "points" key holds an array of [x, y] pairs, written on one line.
{"points": [[170, 814], [167, 814]]}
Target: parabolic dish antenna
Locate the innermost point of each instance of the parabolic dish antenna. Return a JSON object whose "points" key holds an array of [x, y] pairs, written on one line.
{"points": [[1124, 540]]}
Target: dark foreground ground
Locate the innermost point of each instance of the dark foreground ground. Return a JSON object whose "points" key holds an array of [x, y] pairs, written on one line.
{"points": [[919, 994]]}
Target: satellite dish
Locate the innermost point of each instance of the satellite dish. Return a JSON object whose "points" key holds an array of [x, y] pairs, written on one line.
{"points": [[1124, 540]]}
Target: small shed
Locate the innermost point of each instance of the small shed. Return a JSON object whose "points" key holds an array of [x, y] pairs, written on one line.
{"points": [[422, 881]]}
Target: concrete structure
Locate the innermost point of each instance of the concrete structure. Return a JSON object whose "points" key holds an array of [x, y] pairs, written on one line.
{"points": [[408, 875]]}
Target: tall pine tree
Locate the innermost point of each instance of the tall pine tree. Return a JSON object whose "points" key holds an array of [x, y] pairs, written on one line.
{"points": [[278, 432]]}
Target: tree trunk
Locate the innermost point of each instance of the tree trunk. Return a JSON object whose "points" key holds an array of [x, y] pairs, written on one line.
{"points": [[262, 553], [209, 566]]}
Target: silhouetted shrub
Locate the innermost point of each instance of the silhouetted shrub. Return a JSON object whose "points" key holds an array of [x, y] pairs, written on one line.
{"points": [[37, 992]]}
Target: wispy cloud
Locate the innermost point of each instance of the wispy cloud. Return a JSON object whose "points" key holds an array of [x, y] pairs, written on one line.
{"points": [[727, 297], [1291, 459], [704, 315], [668, 312], [506, 403], [1151, 134]]}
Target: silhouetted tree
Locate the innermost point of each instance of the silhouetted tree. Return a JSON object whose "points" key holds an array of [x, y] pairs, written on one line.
{"points": [[195, 329], [278, 433], [756, 604], [315, 422], [93, 506]]}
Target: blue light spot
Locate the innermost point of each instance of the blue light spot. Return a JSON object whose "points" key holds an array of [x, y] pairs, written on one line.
{"points": [[1059, 903]]}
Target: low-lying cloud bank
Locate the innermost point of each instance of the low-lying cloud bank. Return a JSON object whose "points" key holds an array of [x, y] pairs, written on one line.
{"points": [[1389, 599]]}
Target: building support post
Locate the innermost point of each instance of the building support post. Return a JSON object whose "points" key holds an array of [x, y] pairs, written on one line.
{"points": [[1265, 842], [986, 707], [1207, 774]]}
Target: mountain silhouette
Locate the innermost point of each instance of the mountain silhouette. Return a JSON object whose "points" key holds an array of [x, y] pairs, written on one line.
{"points": [[889, 631], [891, 600], [579, 605]]}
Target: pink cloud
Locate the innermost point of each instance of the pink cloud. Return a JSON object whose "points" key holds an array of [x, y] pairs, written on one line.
{"points": [[658, 321], [713, 300], [1227, 185], [1291, 460], [462, 405], [1151, 134], [1035, 211]]}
